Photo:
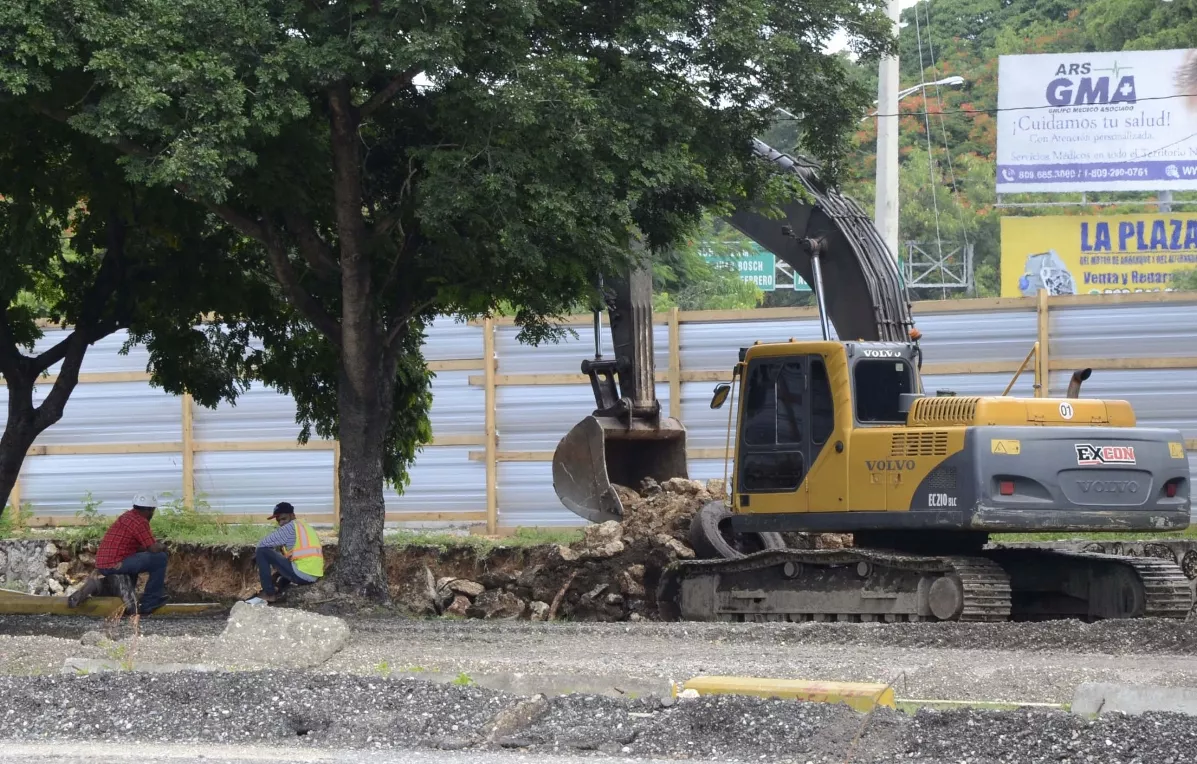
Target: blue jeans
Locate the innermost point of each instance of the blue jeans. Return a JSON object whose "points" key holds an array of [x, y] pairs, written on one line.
{"points": [[268, 558], [153, 563]]}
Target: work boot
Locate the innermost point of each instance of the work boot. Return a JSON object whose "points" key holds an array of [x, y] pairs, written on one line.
{"points": [[83, 593]]}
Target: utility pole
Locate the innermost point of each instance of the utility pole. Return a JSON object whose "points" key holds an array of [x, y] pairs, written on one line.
{"points": [[886, 212]]}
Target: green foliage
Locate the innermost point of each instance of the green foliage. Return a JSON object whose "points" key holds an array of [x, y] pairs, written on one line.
{"points": [[684, 279], [543, 138], [15, 524]]}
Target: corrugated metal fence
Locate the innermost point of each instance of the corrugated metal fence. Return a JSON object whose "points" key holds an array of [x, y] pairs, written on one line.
{"points": [[119, 435]]}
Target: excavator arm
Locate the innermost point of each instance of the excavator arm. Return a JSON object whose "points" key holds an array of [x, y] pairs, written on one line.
{"points": [[625, 440]]}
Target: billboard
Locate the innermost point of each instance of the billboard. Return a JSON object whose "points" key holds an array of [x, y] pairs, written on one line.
{"points": [[1124, 121], [1099, 254]]}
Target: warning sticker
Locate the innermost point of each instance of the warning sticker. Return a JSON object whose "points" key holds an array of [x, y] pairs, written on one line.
{"points": [[1008, 447], [1177, 450], [1090, 456]]}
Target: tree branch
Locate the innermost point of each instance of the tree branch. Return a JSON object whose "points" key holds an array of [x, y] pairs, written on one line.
{"points": [[13, 363], [393, 333], [383, 96], [105, 284], [289, 280], [314, 249]]}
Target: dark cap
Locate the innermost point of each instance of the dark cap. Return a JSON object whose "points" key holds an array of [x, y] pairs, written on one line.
{"points": [[282, 508]]}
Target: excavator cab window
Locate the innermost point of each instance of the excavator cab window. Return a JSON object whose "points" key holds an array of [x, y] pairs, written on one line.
{"points": [[878, 386], [776, 425]]}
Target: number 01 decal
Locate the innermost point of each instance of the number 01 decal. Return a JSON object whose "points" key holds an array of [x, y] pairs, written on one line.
{"points": [[1066, 410]]}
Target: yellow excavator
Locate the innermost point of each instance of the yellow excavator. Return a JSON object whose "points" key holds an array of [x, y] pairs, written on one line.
{"points": [[838, 436]]}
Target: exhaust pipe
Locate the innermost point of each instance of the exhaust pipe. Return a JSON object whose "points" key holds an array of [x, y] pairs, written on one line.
{"points": [[1074, 384]]}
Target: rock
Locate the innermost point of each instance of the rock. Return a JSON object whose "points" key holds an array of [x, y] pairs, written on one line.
{"points": [[649, 487], [62, 570], [635, 617], [602, 541], [603, 533], [595, 593], [54, 586], [459, 586], [614, 599], [539, 610], [683, 486], [626, 495], [675, 547], [567, 554], [497, 578], [717, 488], [50, 550], [459, 606], [496, 604], [515, 718], [631, 581], [93, 638], [276, 637]]}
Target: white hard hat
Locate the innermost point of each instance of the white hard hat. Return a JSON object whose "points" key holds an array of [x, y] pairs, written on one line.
{"points": [[147, 500]]}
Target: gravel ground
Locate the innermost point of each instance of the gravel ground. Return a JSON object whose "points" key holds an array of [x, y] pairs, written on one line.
{"points": [[304, 712], [1013, 662]]}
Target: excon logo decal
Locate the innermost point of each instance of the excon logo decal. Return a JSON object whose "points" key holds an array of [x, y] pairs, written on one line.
{"points": [[1094, 456]]}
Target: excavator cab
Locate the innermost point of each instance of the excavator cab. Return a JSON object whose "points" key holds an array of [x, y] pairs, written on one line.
{"points": [[626, 439]]}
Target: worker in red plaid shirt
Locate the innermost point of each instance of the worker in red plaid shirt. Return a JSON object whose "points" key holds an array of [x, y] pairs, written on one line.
{"points": [[129, 548]]}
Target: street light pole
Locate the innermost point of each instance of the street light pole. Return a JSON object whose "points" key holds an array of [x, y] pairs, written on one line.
{"points": [[886, 208]]}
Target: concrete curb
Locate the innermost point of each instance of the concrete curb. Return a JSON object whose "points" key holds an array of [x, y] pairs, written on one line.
{"points": [[1094, 698]]}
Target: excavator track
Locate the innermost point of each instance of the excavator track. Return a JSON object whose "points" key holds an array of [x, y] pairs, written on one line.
{"points": [[877, 585]]}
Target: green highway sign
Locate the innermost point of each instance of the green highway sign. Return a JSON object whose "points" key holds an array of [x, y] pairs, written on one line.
{"points": [[756, 266]]}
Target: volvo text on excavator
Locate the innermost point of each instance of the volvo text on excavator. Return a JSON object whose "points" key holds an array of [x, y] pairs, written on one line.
{"points": [[838, 435]]}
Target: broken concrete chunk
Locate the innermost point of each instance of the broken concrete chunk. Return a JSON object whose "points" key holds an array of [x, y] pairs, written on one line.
{"points": [[466, 587], [496, 604], [539, 610], [276, 637]]}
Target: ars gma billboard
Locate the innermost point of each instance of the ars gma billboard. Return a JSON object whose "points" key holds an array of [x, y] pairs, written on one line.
{"points": [[1124, 121], [1098, 254]]}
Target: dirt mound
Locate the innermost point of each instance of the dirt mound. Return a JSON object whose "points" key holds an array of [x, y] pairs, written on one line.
{"points": [[665, 508]]}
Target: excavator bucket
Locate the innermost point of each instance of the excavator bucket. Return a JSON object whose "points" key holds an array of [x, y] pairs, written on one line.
{"points": [[600, 452]]}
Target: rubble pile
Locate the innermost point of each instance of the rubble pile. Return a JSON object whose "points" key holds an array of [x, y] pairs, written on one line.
{"points": [[36, 567]]}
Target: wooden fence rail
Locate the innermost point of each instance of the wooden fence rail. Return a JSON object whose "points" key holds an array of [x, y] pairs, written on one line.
{"points": [[489, 378]]}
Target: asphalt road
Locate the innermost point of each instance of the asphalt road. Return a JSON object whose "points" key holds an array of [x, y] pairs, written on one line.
{"points": [[109, 753]]}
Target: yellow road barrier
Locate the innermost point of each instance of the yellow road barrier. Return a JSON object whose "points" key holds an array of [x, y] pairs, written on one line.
{"points": [[17, 603], [858, 695]]}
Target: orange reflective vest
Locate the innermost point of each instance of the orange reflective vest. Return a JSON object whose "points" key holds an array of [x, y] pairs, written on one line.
{"points": [[307, 555]]}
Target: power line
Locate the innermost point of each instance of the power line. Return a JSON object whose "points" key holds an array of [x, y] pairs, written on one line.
{"points": [[996, 110]]}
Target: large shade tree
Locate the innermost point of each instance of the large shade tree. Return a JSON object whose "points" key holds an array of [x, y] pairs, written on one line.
{"points": [[393, 160], [82, 246]]}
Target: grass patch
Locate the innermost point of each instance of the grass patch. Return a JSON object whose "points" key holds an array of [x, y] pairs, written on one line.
{"points": [[524, 537]]}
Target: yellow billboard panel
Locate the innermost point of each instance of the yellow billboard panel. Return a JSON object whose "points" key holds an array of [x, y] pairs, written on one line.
{"points": [[1099, 254]]}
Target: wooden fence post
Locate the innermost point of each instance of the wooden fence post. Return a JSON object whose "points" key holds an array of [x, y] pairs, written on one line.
{"points": [[1042, 356], [188, 452], [492, 488], [675, 365]]}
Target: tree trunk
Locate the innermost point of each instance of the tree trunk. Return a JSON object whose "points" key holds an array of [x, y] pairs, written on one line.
{"points": [[19, 434], [362, 431], [25, 422], [366, 386]]}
